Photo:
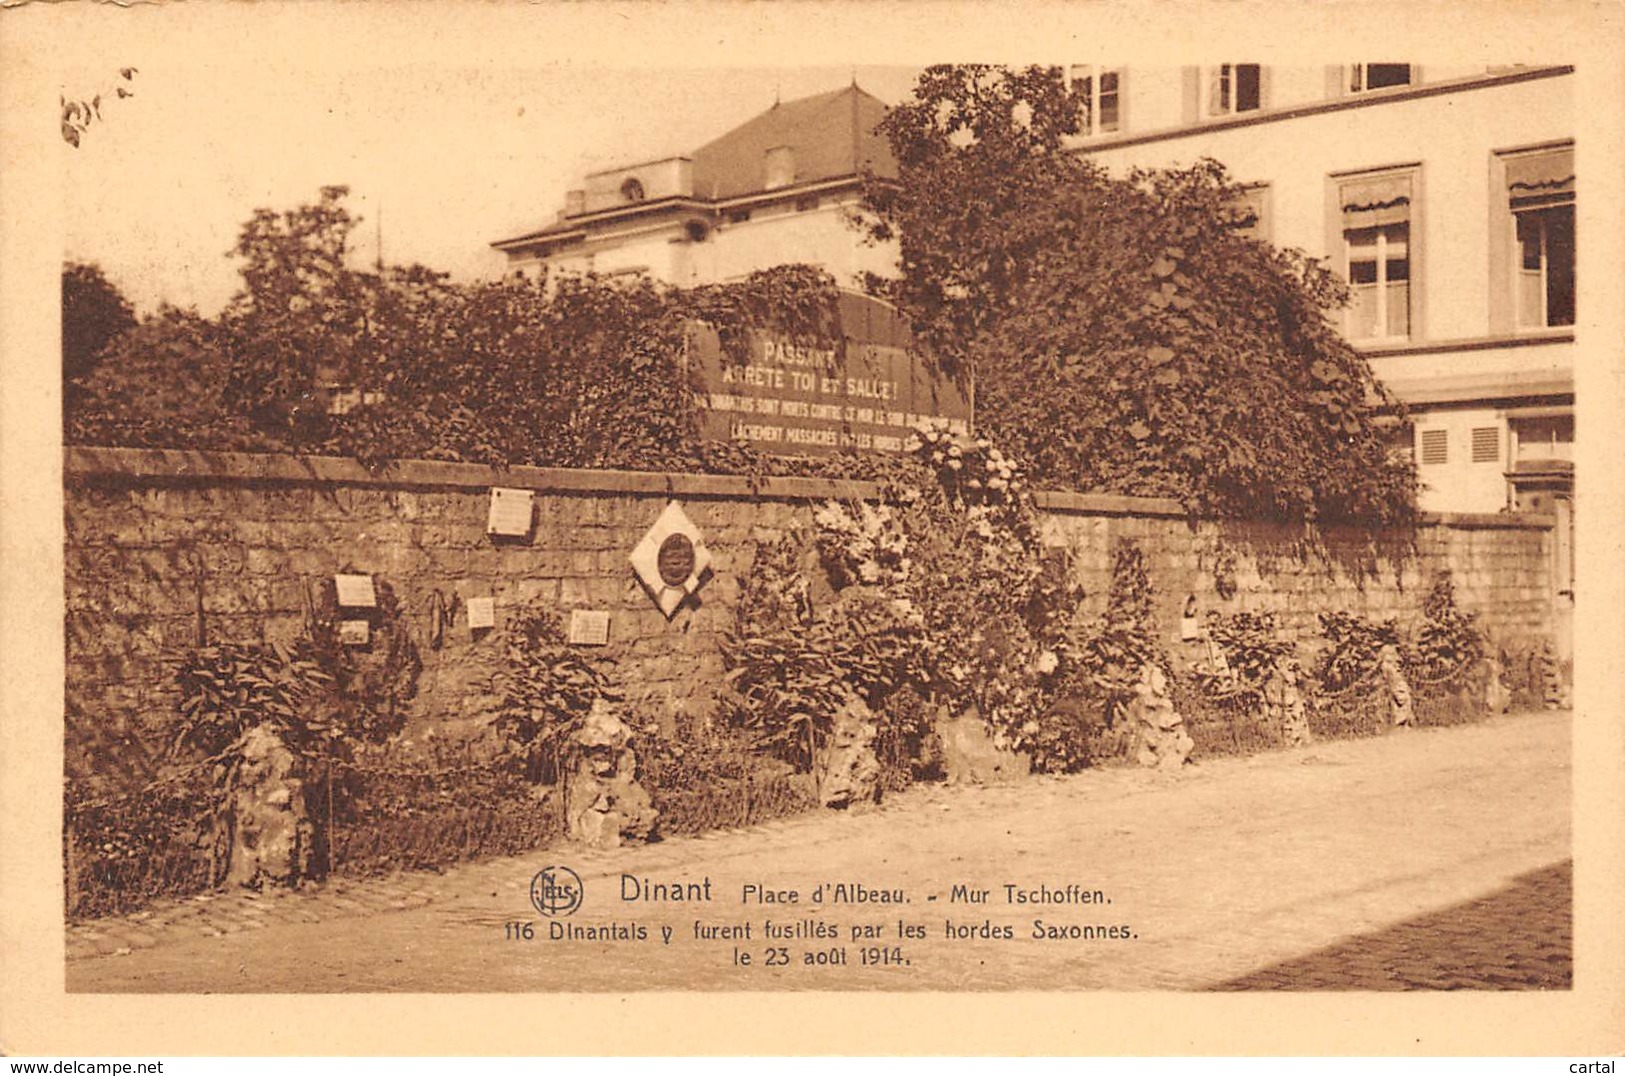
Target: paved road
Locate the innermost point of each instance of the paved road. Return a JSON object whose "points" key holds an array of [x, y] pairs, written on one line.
{"points": [[1431, 859], [1520, 936]]}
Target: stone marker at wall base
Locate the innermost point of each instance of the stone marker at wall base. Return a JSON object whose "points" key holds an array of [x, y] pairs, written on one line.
{"points": [[1284, 703], [604, 804], [849, 772], [1554, 692], [1159, 730], [1398, 688], [272, 833], [1483, 688], [971, 757]]}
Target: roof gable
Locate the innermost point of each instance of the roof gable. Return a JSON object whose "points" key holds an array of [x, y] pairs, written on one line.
{"points": [[829, 135]]}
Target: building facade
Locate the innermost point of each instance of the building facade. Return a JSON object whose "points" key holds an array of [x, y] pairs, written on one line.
{"points": [[1445, 196], [772, 191]]}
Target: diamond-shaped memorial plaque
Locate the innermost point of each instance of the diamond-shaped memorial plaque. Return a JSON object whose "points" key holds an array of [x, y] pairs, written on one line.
{"points": [[671, 559]]}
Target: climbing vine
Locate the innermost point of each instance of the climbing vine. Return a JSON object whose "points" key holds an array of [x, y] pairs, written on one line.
{"points": [[1247, 648], [939, 599], [313, 355]]}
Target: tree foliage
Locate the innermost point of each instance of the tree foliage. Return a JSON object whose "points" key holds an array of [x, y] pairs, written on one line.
{"points": [[315, 355], [94, 314], [1124, 335]]}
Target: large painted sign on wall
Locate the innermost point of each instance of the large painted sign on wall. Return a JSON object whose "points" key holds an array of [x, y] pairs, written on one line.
{"points": [[792, 400]]}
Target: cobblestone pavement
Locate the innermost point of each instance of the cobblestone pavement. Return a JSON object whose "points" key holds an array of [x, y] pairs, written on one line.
{"points": [[1349, 865], [1519, 937]]}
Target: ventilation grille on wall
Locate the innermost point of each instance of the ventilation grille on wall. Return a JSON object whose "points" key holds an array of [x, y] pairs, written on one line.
{"points": [[1486, 444], [1435, 446]]}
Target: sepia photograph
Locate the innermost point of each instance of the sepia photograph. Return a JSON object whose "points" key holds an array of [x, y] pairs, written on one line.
{"points": [[1053, 518]]}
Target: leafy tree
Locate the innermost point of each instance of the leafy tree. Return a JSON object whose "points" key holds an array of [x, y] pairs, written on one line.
{"points": [[300, 317], [1124, 335], [162, 383], [94, 314], [582, 373]]}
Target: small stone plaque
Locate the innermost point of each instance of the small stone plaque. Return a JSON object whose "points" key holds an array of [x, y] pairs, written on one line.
{"points": [[355, 591], [354, 632], [589, 627], [510, 512], [482, 613]]}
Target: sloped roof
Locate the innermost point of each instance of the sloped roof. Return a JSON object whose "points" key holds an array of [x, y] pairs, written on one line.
{"points": [[830, 134]]}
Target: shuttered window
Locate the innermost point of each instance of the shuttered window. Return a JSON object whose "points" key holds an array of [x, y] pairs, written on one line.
{"points": [[1486, 444], [1435, 446], [1365, 77], [1232, 88]]}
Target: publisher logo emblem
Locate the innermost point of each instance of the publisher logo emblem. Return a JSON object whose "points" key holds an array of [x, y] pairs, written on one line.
{"points": [[556, 891]]}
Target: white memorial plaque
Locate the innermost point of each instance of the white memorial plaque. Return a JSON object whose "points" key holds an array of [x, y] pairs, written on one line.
{"points": [[354, 632], [510, 512], [589, 627], [356, 591], [482, 613]]}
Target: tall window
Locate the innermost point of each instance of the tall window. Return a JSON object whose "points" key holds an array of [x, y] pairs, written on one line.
{"points": [[1232, 88], [1101, 88], [1363, 77], [1377, 250], [1546, 267], [1540, 191]]}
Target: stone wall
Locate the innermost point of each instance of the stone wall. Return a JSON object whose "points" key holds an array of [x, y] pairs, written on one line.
{"points": [[163, 545], [1501, 565]]}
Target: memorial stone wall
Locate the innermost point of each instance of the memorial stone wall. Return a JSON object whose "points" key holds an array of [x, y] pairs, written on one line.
{"points": [[161, 545]]}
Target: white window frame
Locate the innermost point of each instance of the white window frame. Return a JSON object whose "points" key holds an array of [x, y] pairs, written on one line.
{"points": [[1092, 126], [1208, 80], [1519, 272], [1381, 285], [1358, 78]]}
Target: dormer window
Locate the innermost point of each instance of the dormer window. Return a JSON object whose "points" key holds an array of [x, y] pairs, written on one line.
{"points": [[780, 163], [632, 190]]}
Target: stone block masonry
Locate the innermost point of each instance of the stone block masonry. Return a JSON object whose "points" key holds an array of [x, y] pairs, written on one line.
{"points": [[167, 547]]}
